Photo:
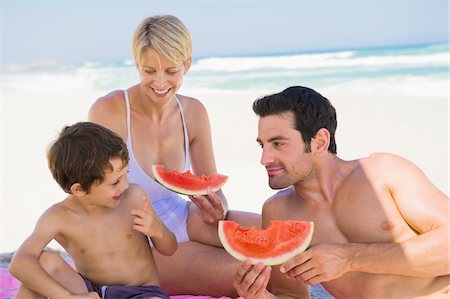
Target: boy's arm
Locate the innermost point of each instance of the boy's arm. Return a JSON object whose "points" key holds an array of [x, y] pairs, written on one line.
{"points": [[25, 263], [421, 205], [148, 222]]}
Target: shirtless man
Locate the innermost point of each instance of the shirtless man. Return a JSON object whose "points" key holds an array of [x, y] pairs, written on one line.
{"points": [[103, 224], [381, 227]]}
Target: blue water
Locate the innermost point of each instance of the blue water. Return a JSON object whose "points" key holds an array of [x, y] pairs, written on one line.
{"points": [[412, 70]]}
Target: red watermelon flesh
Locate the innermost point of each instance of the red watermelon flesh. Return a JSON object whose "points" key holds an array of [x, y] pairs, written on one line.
{"points": [[186, 183], [280, 241]]}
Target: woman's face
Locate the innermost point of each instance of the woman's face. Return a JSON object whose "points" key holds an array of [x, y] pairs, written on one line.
{"points": [[160, 78]]}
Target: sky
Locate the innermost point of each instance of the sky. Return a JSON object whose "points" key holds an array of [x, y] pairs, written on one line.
{"points": [[80, 31]]}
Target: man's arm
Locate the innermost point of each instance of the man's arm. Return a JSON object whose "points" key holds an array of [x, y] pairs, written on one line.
{"points": [[423, 207]]}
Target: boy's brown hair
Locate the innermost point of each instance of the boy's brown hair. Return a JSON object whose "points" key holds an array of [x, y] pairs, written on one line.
{"points": [[81, 154]]}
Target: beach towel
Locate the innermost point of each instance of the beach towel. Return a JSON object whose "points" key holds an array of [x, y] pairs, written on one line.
{"points": [[9, 285]]}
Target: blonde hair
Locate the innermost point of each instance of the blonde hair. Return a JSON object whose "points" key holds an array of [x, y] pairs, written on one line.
{"points": [[166, 35]]}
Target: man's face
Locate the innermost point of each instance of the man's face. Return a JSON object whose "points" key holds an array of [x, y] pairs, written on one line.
{"points": [[283, 151]]}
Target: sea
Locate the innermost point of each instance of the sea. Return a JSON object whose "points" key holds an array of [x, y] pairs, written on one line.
{"points": [[394, 70], [37, 99]]}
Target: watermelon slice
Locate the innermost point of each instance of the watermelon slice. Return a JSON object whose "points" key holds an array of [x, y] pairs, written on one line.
{"points": [[186, 183], [274, 245]]}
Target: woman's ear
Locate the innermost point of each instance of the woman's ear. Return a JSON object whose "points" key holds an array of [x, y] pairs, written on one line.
{"points": [[77, 190], [321, 141], [187, 65]]}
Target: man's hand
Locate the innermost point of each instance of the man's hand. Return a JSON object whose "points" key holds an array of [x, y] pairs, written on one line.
{"points": [[322, 262], [251, 281], [210, 206]]}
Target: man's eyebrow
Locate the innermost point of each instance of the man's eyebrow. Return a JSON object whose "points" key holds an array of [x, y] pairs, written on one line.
{"points": [[274, 138]]}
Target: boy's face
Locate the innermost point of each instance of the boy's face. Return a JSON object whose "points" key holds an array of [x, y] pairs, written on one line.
{"points": [[283, 151], [108, 193]]}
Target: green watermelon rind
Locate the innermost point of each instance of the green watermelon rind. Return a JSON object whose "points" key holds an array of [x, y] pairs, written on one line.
{"points": [[182, 191], [270, 261]]}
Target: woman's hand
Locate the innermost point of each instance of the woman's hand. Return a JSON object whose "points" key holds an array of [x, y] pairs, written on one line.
{"points": [[211, 207]]}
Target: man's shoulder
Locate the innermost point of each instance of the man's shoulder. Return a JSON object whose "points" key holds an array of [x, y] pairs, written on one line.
{"points": [[382, 156], [280, 197], [380, 169], [382, 161]]}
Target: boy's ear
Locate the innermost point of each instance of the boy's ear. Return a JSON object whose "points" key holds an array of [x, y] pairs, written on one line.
{"points": [[77, 190], [321, 141]]}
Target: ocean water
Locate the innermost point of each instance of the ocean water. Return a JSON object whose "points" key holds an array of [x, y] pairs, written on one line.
{"points": [[398, 96], [419, 70]]}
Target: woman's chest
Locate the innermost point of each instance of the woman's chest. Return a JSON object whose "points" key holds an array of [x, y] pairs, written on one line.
{"points": [[159, 145]]}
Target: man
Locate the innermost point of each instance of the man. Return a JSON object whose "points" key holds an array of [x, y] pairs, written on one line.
{"points": [[381, 227]]}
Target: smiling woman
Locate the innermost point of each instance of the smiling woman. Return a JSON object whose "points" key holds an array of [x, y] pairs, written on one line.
{"points": [[162, 127]]}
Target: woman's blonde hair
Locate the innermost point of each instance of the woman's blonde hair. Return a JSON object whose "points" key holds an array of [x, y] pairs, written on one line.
{"points": [[166, 35]]}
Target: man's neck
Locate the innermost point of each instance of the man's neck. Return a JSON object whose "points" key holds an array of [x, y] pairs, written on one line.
{"points": [[329, 174]]}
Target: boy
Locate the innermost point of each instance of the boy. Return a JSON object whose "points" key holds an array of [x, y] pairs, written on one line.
{"points": [[103, 224]]}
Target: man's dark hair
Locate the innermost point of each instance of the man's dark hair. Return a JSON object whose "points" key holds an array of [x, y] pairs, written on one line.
{"points": [[311, 111]]}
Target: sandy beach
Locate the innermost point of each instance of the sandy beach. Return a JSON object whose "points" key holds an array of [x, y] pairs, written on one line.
{"points": [[413, 127]]}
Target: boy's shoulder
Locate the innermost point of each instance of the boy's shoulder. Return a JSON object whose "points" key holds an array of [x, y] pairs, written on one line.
{"points": [[134, 189], [57, 213], [134, 194]]}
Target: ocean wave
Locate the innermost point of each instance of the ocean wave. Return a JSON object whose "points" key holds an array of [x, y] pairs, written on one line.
{"points": [[413, 86], [408, 70], [337, 60], [37, 66]]}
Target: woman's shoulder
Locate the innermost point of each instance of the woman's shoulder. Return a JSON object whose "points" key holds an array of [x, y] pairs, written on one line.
{"points": [[109, 111], [191, 106], [109, 101]]}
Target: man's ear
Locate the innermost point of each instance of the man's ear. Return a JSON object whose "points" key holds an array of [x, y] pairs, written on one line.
{"points": [[321, 141], [77, 190]]}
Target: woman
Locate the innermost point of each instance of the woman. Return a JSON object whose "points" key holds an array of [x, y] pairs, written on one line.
{"points": [[162, 127]]}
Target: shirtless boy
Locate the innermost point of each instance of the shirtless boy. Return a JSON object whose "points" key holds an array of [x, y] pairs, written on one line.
{"points": [[381, 227], [103, 224]]}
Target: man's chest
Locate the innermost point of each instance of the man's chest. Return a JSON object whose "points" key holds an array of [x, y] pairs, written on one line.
{"points": [[370, 216]]}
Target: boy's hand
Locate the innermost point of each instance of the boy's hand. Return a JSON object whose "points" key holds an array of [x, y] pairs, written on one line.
{"points": [[146, 221]]}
